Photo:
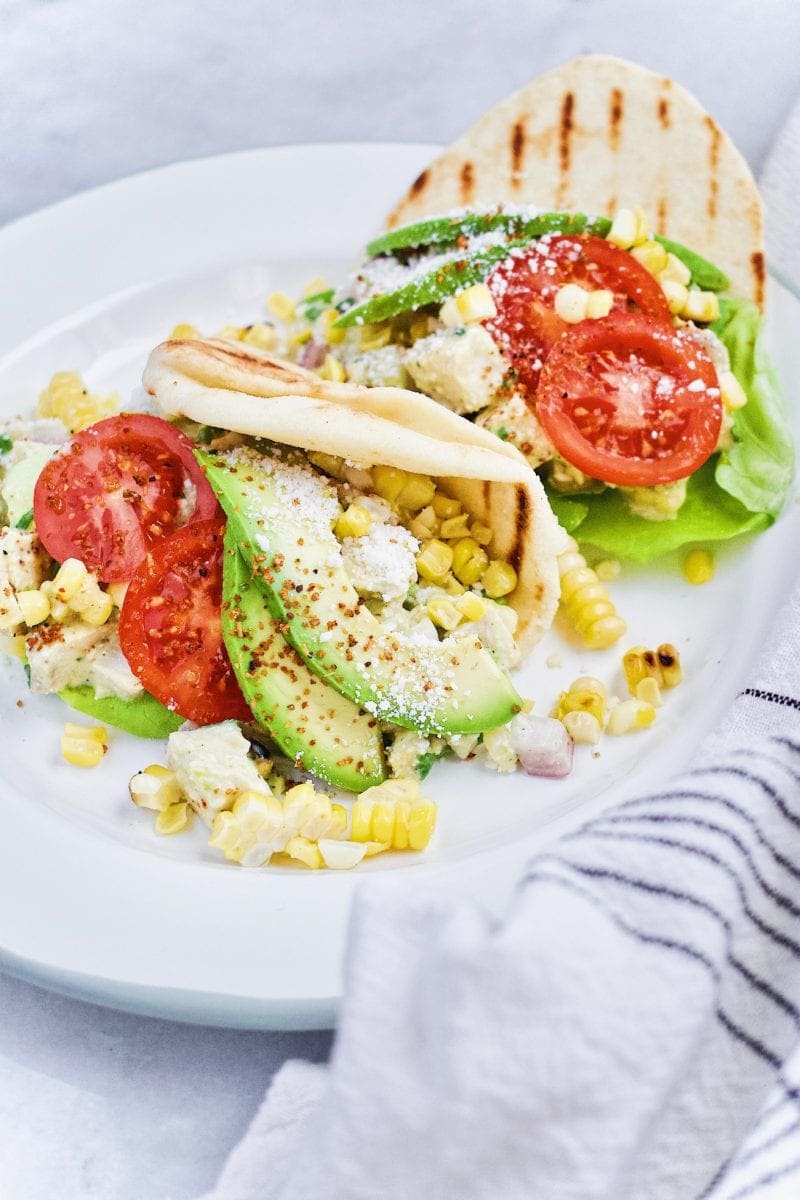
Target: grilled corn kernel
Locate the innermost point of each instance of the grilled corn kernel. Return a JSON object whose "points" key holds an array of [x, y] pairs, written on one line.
{"points": [[83, 745], [452, 586], [231, 333], [389, 482], [262, 335], [281, 306], [300, 338], [333, 336], [475, 303], [608, 570], [663, 665], [648, 691], [481, 533], [499, 579], [98, 610], [629, 716], [181, 333], [69, 579], [313, 288], [59, 611], [698, 567], [455, 527], [675, 271], [701, 306], [174, 819], [624, 228], [444, 506], [471, 607], [305, 851], [425, 524], [469, 561], [571, 303], [651, 255], [401, 821], [733, 394], [34, 606], [416, 493], [68, 398], [117, 592], [374, 337], [582, 696], [155, 787], [583, 727], [332, 370], [341, 856], [586, 602], [599, 304], [434, 561], [676, 295], [589, 683], [354, 522], [443, 613]]}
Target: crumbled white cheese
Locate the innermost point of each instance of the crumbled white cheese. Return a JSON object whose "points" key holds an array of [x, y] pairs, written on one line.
{"points": [[109, 673], [382, 562], [512, 420], [496, 630], [406, 749], [61, 656], [212, 767], [460, 368]]}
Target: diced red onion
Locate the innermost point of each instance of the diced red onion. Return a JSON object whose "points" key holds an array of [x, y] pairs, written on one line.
{"points": [[542, 745], [313, 355]]}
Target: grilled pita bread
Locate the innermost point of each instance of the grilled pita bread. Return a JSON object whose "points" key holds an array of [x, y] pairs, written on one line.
{"points": [[598, 134], [248, 391]]}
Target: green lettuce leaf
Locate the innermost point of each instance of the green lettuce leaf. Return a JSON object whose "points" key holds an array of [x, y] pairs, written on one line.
{"points": [[145, 717]]}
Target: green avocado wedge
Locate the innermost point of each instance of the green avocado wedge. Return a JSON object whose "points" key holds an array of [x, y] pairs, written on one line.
{"points": [[144, 717], [275, 513], [316, 727]]}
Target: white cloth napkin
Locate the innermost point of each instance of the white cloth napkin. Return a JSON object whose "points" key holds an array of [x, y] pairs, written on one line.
{"points": [[626, 1034]]}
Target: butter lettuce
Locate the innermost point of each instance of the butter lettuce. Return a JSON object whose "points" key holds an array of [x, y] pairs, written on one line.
{"points": [[741, 490]]}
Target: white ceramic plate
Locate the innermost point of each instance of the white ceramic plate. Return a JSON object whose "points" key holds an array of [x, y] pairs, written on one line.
{"points": [[94, 904]]}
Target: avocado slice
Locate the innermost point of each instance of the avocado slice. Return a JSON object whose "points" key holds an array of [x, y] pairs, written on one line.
{"points": [[280, 514], [144, 716], [311, 722]]}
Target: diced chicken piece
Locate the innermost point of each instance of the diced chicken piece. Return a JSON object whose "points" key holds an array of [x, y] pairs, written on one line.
{"points": [[461, 368], [23, 564], [513, 421], [542, 745], [496, 630], [61, 656], [382, 562], [109, 673], [212, 767]]}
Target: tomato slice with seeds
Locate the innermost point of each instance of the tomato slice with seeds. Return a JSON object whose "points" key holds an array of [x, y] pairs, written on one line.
{"points": [[115, 490], [524, 288], [630, 401], [170, 628]]}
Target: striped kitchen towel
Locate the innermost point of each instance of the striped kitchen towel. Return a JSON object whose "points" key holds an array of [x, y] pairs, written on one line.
{"points": [[630, 1032]]}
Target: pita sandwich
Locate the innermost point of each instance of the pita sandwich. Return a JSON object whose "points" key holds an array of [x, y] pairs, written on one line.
{"points": [[599, 134], [248, 391]]}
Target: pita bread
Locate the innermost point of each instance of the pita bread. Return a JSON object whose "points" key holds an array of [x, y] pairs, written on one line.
{"points": [[248, 391], [598, 134]]}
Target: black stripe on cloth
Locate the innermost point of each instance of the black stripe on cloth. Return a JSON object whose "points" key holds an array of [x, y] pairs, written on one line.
{"points": [[706, 798], [754, 1044], [773, 697], [773, 934], [750, 752], [737, 772], [742, 1159], [787, 742], [644, 885], [711, 826], [766, 1180]]}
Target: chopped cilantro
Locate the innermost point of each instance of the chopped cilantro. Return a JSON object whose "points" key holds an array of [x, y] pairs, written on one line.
{"points": [[5, 443], [26, 520], [426, 761], [502, 433], [207, 433], [311, 307]]}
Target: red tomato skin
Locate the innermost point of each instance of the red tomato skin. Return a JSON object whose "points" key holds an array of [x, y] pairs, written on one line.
{"points": [[114, 490], [170, 628], [598, 429], [524, 288]]}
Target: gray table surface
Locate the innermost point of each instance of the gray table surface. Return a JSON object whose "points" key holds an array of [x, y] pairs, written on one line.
{"points": [[105, 1105]]}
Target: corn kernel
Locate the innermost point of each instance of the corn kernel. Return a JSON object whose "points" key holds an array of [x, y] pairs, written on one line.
{"points": [[624, 229], [481, 533], [675, 271], [425, 524], [231, 333], [450, 314], [663, 665], [360, 821], [648, 691], [416, 493], [69, 579], [583, 727], [389, 482], [82, 745], [383, 821], [452, 586], [443, 613], [651, 255], [701, 306], [117, 592], [281, 306], [13, 645], [67, 398], [471, 607], [401, 831], [332, 370], [608, 570], [499, 579], [698, 567], [34, 606], [571, 303], [300, 338], [586, 602], [341, 855], [333, 335], [444, 506], [354, 522], [476, 303], [581, 699], [261, 335], [155, 787], [434, 561], [174, 819], [469, 561], [421, 824], [318, 284], [99, 610], [589, 683], [599, 304], [629, 716], [642, 227], [182, 333], [733, 394], [304, 851], [676, 294], [455, 527], [375, 337]]}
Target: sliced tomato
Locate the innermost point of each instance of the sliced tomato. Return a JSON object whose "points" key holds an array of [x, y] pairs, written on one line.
{"points": [[524, 288], [115, 490], [630, 401], [170, 628]]}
